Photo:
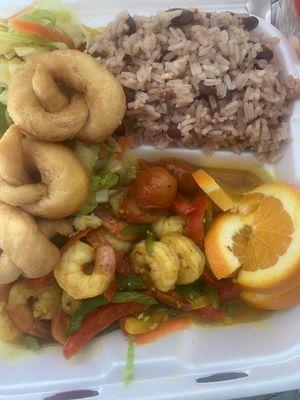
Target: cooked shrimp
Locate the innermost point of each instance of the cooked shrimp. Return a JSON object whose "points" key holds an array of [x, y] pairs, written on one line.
{"points": [[71, 276], [191, 258], [30, 319], [8, 332], [162, 266], [69, 304], [165, 225]]}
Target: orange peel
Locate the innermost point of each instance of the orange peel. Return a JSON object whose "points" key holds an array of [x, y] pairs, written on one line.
{"points": [[260, 241], [213, 190], [272, 301]]}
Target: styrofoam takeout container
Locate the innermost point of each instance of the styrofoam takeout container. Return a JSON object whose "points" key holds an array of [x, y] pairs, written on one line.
{"points": [[200, 363]]}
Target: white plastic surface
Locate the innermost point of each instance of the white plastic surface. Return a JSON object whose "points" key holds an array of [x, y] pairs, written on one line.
{"points": [[267, 351]]}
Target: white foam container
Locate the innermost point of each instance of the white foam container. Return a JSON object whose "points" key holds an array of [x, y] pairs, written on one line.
{"points": [[242, 360]]}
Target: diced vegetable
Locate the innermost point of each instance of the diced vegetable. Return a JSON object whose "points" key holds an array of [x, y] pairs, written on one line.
{"points": [[107, 181], [195, 220], [123, 297], [149, 242], [96, 322], [31, 342], [117, 244], [88, 155], [115, 202], [129, 366], [86, 221], [130, 164], [188, 291], [211, 293], [173, 325], [132, 282], [102, 196], [86, 307], [138, 231], [145, 323]]}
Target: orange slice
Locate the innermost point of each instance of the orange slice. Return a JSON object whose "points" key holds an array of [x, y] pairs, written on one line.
{"points": [[261, 240], [213, 190], [272, 301]]}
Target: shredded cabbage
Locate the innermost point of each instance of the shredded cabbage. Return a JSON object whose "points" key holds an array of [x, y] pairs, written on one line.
{"points": [[88, 155], [7, 67]]}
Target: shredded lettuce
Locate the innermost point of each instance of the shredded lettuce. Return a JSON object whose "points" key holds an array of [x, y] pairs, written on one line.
{"points": [[7, 68], [39, 16], [88, 155]]}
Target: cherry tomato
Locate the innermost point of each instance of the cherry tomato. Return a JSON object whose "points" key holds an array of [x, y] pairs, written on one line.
{"points": [[154, 188], [183, 206], [131, 212], [182, 171]]}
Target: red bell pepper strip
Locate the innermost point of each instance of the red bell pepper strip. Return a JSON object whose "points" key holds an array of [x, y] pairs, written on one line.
{"points": [[183, 206], [195, 220], [96, 322], [59, 324]]}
